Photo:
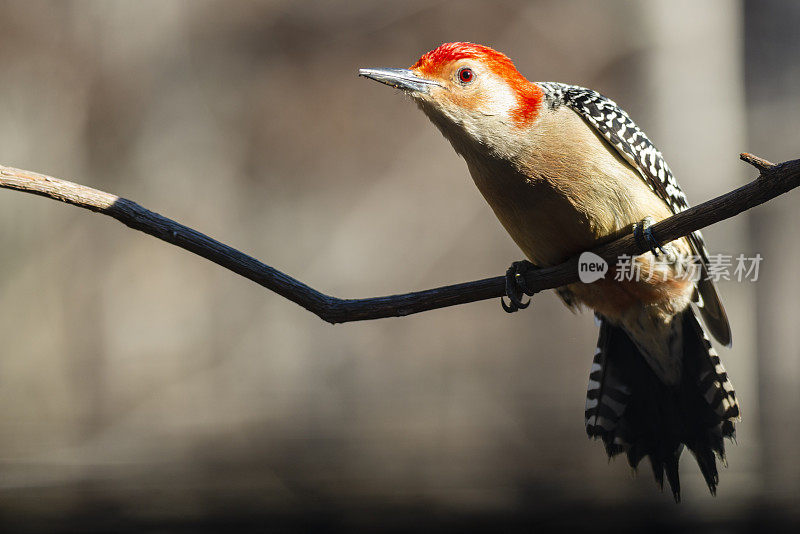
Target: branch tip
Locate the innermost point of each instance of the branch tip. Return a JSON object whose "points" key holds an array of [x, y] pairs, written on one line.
{"points": [[759, 163]]}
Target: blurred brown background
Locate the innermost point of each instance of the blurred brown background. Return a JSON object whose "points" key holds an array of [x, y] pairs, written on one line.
{"points": [[144, 388]]}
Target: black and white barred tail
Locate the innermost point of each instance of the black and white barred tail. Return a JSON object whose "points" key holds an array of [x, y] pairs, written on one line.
{"points": [[633, 412]]}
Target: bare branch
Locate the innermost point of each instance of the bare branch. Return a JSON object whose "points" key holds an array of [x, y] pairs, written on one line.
{"points": [[773, 180]]}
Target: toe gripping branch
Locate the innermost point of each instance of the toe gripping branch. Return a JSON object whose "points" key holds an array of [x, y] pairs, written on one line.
{"points": [[516, 286], [645, 238]]}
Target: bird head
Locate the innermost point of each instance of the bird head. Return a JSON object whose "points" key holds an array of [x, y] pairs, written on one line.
{"points": [[472, 93]]}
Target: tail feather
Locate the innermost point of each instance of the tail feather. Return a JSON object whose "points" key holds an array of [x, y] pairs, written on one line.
{"points": [[668, 464], [632, 411], [607, 395]]}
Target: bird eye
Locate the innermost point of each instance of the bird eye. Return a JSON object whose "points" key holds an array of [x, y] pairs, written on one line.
{"points": [[465, 75]]}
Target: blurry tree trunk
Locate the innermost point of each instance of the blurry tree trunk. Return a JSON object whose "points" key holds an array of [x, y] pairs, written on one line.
{"points": [[700, 118], [773, 91]]}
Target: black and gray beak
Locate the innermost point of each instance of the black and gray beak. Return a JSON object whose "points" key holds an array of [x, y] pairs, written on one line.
{"points": [[399, 78]]}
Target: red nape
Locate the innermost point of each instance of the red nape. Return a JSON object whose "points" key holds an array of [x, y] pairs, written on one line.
{"points": [[529, 95]]}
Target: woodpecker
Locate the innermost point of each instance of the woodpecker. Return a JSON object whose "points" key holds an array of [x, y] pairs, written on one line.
{"points": [[565, 169]]}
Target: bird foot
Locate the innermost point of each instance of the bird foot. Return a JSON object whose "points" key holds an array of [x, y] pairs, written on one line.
{"points": [[516, 286], [645, 238]]}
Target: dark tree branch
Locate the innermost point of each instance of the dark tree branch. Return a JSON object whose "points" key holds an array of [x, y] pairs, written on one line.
{"points": [[773, 180]]}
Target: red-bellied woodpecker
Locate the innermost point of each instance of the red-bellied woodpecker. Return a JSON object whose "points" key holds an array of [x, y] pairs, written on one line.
{"points": [[565, 169]]}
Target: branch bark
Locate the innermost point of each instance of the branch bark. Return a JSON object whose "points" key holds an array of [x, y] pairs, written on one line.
{"points": [[773, 180]]}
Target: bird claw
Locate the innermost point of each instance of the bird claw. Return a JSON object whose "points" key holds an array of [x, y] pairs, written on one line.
{"points": [[516, 286], [643, 233]]}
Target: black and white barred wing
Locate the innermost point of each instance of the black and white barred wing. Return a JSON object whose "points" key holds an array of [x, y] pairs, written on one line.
{"points": [[630, 141], [636, 148]]}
